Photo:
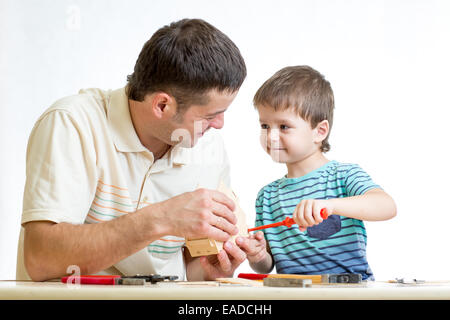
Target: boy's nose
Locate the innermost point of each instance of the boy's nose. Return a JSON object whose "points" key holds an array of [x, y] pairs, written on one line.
{"points": [[274, 135]]}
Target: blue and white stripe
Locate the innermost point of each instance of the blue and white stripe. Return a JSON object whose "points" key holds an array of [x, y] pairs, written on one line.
{"points": [[337, 245]]}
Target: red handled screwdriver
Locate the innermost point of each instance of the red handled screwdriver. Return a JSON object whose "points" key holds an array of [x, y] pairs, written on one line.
{"points": [[288, 222]]}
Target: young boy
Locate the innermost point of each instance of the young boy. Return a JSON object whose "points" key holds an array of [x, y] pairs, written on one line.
{"points": [[295, 109]]}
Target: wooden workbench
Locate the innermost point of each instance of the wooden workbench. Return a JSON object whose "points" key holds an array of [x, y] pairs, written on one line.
{"points": [[202, 291], [213, 301]]}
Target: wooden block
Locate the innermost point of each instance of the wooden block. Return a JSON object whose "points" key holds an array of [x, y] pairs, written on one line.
{"points": [[202, 247], [205, 247], [315, 278]]}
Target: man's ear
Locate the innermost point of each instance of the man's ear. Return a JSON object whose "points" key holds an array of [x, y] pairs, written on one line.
{"points": [[321, 131], [162, 104]]}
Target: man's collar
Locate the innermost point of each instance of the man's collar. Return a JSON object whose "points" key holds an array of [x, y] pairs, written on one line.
{"points": [[180, 155], [125, 136], [119, 119]]}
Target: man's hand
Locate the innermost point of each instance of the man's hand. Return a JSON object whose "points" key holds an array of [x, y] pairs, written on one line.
{"points": [[223, 264], [199, 214]]}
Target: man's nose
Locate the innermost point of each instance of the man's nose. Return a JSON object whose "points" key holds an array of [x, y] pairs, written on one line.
{"points": [[218, 121]]}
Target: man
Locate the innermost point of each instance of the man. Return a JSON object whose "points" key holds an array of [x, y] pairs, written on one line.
{"points": [[117, 180]]}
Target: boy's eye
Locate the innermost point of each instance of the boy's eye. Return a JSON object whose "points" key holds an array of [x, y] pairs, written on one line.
{"points": [[284, 127], [264, 126]]}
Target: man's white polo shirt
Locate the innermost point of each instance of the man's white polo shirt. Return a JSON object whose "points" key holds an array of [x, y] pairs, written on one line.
{"points": [[86, 164]]}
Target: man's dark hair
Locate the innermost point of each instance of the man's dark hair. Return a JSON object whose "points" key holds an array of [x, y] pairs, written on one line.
{"points": [[187, 59]]}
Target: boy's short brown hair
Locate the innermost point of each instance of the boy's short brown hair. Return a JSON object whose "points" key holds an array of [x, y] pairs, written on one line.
{"points": [[301, 88]]}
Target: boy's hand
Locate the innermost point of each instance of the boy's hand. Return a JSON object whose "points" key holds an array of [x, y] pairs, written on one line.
{"points": [[254, 246], [307, 212]]}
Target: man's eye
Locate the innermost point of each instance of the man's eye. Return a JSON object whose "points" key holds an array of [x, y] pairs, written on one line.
{"points": [[264, 126]]}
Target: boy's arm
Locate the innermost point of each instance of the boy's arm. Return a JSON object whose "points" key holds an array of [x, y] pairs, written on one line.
{"points": [[374, 205], [371, 205], [258, 252], [265, 265], [255, 245]]}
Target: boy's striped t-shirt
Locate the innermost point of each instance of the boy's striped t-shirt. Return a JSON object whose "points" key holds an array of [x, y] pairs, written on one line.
{"points": [[338, 244]]}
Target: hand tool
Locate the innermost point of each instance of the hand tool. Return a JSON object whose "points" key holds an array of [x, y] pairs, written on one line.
{"points": [[117, 279], [406, 281], [92, 279], [342, 278], [287, 282], [315, 278], [154, 278], [288, 222]]}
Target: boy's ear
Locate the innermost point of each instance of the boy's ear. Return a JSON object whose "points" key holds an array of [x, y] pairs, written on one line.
{"points": [[162, 104], [321, 131]]}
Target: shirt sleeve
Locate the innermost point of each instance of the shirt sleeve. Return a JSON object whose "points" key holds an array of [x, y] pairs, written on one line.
{"points": [[358, 182], [60, 171], [259, 209]]}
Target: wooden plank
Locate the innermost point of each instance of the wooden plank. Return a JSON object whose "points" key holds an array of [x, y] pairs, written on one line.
{"points": [[246, 282]]}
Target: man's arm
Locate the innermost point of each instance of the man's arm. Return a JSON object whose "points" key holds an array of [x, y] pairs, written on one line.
{"points": [[49, 248]]}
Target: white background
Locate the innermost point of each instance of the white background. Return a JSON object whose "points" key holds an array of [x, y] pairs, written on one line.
{"points": [[387, 61]]}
